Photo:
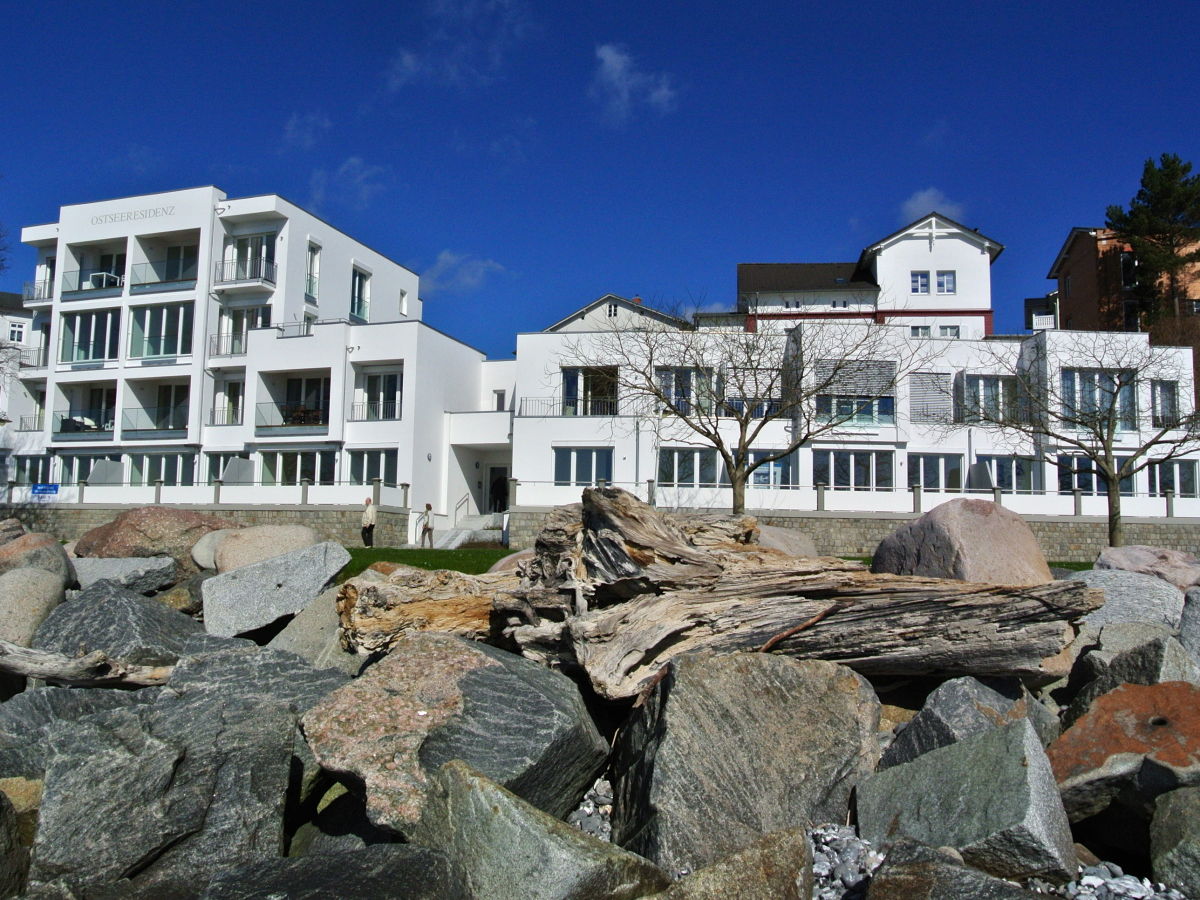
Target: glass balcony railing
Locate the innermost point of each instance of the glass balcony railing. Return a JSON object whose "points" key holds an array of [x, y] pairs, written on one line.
{"points": [[375, 411], [37, 291], [84, 422], [311, 283], [283, 415], [79, 280], [233, 270], [166, 274], [227, 344], [155, 418]]}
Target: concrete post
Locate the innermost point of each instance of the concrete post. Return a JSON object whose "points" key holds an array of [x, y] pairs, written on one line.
{"points": [[158, 491], [82, 487], [601, 483], [404, 486], [512, 492], [376, 490], [1169, 493], [997, 498], [304, 483], [12, 486], [217, 491], [650, 491], [916, 492], [1078, 492], [820, 496]]}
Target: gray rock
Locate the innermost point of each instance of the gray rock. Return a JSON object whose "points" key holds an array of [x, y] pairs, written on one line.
{"points": [[778, 865], [991, 796], [315, 636], [246, 546], [340, 824], [506, 848], [14, 860], [972, 540], [399, 870], [204, 551], [123, 624], [142, 575], [1129, 653], [435, 698], [258, 594], [27, 596], [25, 718], [37, 551], [1175, 840], [913, 871], [786, 540], [965, 706], [10, 529], [1131, 597], [252, 674], [1173, 566], [1189, 624], [723, 751]]}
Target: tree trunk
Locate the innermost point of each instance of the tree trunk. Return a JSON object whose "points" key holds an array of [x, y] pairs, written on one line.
{"points": [[1116, 528], [737, 480]]}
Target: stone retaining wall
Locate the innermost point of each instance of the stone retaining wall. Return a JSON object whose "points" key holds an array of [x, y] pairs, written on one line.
{"points": [[333, 523], [1063, 539]]}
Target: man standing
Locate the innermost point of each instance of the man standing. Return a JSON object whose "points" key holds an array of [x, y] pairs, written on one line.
{"points": [[368, 524]]}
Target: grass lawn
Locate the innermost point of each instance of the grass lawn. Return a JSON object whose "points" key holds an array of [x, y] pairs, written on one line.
{"points": [[471, 560]]}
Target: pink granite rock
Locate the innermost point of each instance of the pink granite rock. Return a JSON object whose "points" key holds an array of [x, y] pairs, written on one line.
{"points": [[1172, 566], [150, 531]]}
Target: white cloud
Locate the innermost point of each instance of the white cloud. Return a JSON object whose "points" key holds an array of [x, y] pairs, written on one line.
{"points": [[303, 130], [457, 273], [465, 42], [620, 86], [928, 200], [354, 183]]}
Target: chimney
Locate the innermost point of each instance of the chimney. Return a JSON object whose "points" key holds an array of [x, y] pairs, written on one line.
{"points": [[637, 299]]}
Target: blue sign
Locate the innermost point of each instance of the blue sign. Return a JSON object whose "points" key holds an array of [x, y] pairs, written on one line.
{"points": [[45, 489]]}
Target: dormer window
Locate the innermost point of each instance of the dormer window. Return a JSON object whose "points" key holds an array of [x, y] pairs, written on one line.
{"points": [[946, 282], [612, 310]]}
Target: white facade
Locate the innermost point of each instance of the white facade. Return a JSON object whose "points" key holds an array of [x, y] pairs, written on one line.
{"points": [[187, 346]]}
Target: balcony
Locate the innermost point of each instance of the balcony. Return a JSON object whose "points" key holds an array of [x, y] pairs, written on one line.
{"points": [[163, 275], [1043, 323], [83, 425], [227, 344], [92, 282], [553, 406], [1165, 420], [247, 273], [225, 416], [36, 422], [291, 418], [155, 423], [34, 357], [375, 411], [38, 291], [757, 407]]}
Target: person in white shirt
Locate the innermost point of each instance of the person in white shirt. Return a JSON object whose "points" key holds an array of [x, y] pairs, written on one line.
{"points": [[368, 524]]}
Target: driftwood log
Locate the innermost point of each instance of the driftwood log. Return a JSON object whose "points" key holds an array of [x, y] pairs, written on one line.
{"points": [[626, 590], [96, 669]]}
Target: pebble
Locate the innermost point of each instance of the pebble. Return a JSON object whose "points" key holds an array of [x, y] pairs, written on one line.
{"points": [[594, 813]]}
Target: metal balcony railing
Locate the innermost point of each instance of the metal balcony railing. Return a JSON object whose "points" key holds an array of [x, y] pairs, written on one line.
{"points": [[36, 291], [283, 415], [92, 280], [164, 272], [228, 271], [35, 422], [554, 406], [84, 421], [758, 407], [34, 357], [375, 411], [225, 416], [1164, 420], [227, 344], [155, 418], [1043, 323]]}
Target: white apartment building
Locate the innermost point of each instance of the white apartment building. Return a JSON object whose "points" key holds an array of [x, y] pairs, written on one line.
{"points": [[187, 347]]}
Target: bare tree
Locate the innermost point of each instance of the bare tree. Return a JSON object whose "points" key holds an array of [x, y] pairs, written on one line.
{"points": [[725, 387], [1100, 405]]}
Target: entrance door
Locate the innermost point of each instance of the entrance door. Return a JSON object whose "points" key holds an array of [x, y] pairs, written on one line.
{"points": [[497, 489]]}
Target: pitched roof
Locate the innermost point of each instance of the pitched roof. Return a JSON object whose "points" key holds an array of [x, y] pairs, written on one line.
{"points": [[635, 305], [994, 247], [788, 277]]}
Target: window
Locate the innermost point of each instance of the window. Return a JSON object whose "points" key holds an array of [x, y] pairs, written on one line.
{"points": [[170, 468], [90, 336], [74, 468], [360, 294], [1091, 398], [929, 397], [920, 282], [685, 389], [854, 470], [381, 396], [367, 465], [1067, 286], [228, 402], [857, 410], [919, 331], [589, 391], [1178, 475], [306, 401], [1014, 474], [948, 331], [159, 331], [1164, 396], [1079, 473], [403, 303], [249, 257], [16, 332], [946, 282], [856, 391], [582, 466], [218, 466], [778, 473], [988, 398], [31, 469], [936, 471], [293, 466], [840, 304], [180, 264], [690, 467], [612, 310], [500, 401], [312, 271], [1129, 278], [753, 392], [167, 411]]}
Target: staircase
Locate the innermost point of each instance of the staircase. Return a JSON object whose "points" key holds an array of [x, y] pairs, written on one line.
{"points": [[486, 527]]}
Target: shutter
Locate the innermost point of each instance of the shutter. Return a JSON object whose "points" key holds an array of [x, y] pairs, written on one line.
{"points": [[929, 397], [857, 377]]}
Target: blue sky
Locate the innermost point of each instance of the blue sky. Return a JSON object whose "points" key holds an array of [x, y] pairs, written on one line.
{"points": [[527, 157]]}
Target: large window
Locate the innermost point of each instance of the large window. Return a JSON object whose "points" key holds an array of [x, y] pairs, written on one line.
{"points": [[1091, 398], [589, 391], [1178, 475], [170, 468], [293, 466], [989, 398], [249, 257], [690, 467], [91, 336], [686, 389], [77, 467], [1079, 473], [857, 410], [379, 397], [779, 473], [1164, 396], [360, 294], [858, 470], [312, 271], [30, 469], [936, 471], [856, 392], [161, 331], [367, 465], [218, 463], [582, 466], [1014, 474]]}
